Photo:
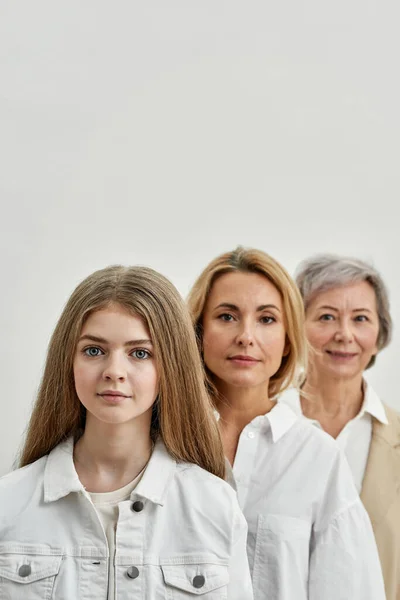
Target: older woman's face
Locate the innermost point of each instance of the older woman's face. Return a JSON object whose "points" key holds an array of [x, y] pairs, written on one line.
{"points": [[243, 330], [342, 325]]}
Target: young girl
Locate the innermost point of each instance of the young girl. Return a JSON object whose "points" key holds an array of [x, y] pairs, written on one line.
{"points": [[120, 494], [309, 535]]}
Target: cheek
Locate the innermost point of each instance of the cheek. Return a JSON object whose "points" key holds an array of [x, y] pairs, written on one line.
{"points": [[369, 340], [145, 379], [83, 375], [273, 341], [317, 337], [213, 343]]}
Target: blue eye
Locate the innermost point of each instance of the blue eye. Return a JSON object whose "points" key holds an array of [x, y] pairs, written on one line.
{"points": [[141, 354], [93, 351], [361, 318], [326, 317]]}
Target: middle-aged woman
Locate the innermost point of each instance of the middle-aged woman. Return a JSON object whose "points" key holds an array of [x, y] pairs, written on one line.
{"points": [[347, 324], [309, 535]]}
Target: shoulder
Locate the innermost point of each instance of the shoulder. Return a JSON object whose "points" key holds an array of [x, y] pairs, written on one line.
{"points": [[193, 475], [20, 485], [201, 487], [23, 476], [387, 433], [393, 416], [315, 439]]}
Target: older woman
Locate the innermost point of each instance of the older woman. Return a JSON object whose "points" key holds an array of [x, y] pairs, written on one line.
{"points": [[347, 324], [309, 535]]}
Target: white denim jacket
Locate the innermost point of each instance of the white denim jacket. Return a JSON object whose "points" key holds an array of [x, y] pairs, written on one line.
{"points": [[180, 535]]}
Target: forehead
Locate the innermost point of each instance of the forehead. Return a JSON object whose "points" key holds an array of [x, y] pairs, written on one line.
{"points": [[351, 296], [114, 321], [244, 290]]}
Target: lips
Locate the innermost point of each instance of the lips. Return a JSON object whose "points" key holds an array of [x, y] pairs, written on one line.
{"points": [[113, 397], [113, 393], [338, 354], [243, 359]]}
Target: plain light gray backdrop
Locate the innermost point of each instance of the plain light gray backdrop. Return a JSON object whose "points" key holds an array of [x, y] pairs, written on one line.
{"points": [[163, 133]]}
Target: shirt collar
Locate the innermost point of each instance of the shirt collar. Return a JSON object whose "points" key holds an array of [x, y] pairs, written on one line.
{"points": [[281, 418], [373, 405], [61, 478]]}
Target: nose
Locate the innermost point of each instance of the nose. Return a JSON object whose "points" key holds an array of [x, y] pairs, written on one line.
{"points": [[344, 332], [245, 336], [115, 369]]}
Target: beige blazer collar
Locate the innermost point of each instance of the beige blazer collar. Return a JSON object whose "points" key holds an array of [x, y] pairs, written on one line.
{"points": [[381, 484]]}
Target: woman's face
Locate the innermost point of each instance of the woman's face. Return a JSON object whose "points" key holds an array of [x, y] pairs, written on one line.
{"points": [[342, 326], [115, 371], [243, 330]]}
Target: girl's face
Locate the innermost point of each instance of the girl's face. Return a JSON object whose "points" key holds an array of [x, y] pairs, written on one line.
{"points": [[243, 330], [342, 326], [115, 370]]}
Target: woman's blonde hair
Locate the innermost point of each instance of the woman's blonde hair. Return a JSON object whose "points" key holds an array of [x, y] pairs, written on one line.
{"points": [[182, 415], [249, 260]]}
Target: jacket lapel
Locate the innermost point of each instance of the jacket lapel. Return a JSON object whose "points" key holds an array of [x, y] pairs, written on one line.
{"points": [[381, 484]]}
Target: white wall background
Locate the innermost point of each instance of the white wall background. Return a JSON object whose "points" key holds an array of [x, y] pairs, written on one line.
{"points": [[165, 132]]}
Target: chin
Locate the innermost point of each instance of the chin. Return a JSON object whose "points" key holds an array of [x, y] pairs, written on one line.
{"points": [[242, 381], [344, 371]]}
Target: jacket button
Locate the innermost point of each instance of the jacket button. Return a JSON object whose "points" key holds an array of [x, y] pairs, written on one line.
{"points": [[198, 581], [133, 572], [24, 570], [137, 506]]}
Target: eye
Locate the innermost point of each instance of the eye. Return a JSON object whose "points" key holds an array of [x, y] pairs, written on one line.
{"points": [[267, 320], [141, 354], [93, 351], [326, 317], [361, 318], [226, 317]]}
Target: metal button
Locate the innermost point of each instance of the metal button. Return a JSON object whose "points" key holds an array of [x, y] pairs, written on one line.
{"points": [[133, 572], [24, 570], [137, 506], [199, 581]]}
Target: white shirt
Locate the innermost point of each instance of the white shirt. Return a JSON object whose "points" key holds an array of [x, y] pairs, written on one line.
{"points": [[309, 536], [180, 534], [355, 437], [106, 505]]}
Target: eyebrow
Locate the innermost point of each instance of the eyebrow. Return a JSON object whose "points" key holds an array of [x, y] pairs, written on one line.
{"points": [[100, 340], [234, 307], [337, 310]]}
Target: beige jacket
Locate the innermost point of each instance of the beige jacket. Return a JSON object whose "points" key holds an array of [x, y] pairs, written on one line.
{"points": [[381, 497]]}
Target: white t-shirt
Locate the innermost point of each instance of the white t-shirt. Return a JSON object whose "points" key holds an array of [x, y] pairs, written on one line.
{"points": [[106, 505], [355, 437]]}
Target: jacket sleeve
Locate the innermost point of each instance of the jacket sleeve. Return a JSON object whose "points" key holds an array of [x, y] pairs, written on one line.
{"points": [[344, 560], [240, 586]]}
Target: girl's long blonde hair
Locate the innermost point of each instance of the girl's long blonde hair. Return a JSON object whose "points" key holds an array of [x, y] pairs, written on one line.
{"points": [[182, 415], [249, 260]]}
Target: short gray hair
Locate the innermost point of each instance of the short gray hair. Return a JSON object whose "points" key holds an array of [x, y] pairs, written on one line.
{"points": [[323, 272]]}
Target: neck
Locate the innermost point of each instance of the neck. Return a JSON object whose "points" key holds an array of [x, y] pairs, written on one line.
{"points": [[107, 456], [240, 405], [332, 396], [237, 407]]}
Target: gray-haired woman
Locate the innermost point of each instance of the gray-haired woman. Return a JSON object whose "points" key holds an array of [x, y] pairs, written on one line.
{"points": [[347, 323]]}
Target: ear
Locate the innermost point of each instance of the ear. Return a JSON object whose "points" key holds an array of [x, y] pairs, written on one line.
{"points": [[287, 347]]}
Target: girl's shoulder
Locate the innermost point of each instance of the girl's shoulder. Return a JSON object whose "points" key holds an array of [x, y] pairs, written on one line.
{"points": [[23, 480], [203, 488]]}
